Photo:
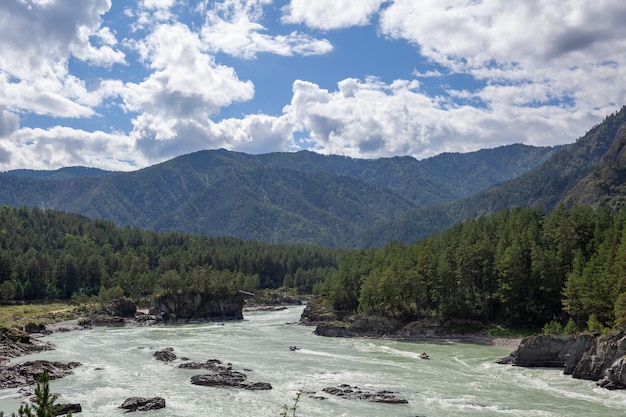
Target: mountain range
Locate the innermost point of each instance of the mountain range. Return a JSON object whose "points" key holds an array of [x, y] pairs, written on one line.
{"points": [[332, 200]]}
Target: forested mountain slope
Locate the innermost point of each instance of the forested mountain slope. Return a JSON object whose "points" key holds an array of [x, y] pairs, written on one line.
{"points": [[606, 184], [559, 179], [280, 198]]}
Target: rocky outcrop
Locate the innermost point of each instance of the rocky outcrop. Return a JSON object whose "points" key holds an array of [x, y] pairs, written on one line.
{"points": [[28, 373], [596, 358], [15, 343], [188, 307], [219, 374], [334, 324], [357, 326], [143, 404], [316, 311], [354, 393], [548, 351], [115, 314], [165, 355], [122, 307], [63, 409], [222, 376], [604, 361]]}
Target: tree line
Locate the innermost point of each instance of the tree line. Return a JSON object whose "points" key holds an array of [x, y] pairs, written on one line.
{"points": [[47, 254], [521, 267]]}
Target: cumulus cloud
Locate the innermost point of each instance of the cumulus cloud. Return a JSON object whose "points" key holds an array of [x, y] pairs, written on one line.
{"points": [[371, 119], [532, 71], [37, 39], [330, 14], [554, 45], [185, 87], [9, 123], [60, 146], [232, 27]]}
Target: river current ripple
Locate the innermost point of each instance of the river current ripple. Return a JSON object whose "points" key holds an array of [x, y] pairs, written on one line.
{"points": [[459, 379]]}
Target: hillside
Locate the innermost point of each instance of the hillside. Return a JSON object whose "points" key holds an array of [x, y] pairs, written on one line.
{"points": [[279, 198], [606, 184], [568, 176]]}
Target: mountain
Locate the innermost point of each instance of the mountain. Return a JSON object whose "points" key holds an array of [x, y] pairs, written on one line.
{"points": [[590, 171], [278, 197], [62, 173], [606, 184]]}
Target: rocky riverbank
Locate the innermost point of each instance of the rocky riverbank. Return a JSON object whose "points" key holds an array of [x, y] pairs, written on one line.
{"points": [[329, 324], [600, 358], [591, 357]]}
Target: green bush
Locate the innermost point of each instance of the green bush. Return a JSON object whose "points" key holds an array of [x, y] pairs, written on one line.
{"points": [[554, 327], [570, 328]]}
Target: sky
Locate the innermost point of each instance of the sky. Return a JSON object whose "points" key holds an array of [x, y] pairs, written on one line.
{"points": [[122, 85]]}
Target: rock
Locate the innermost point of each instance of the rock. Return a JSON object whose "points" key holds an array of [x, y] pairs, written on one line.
{"points": [[318, 311], [31, 328], [102, 318], [15, 343], [165, 355], [422, 329], [615, 376], [581, 345], [63, 409], [604, 356], [258, 386], [545, 350], [222, 376], [122, 307], [358, 326], [28, 373], [354, 393], [143, 404], [596, 358], [186, 307]]}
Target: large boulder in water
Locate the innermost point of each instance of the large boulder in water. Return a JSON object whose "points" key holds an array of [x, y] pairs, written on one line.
{"points": [[143, 404]]}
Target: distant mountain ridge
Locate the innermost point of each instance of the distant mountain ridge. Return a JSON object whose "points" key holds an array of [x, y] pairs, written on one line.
{"points": [[590, 171], [61, 173], [278, 197]]}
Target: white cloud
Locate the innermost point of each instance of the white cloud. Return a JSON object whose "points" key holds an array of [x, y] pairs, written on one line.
{"points": [[9, 123], [60, 146], [562, 47], [184, 89], [371, 119], [257, 133], [37, 40], [232, 27], [538, 72], [330, 14]]}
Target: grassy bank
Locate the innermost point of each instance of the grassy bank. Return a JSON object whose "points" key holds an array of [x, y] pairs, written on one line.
{"points": [[39, 313]]}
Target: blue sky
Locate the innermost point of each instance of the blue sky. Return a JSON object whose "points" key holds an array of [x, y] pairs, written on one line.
{"points": [[121, 85]]}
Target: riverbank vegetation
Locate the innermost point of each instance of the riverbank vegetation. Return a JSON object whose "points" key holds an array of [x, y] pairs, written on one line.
{"points": [[48, 255], [520, 268], [20, 314]]}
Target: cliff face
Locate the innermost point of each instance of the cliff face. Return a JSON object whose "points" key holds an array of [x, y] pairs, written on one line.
{"points": [[185, 307], [605, 361], [596, 358]]}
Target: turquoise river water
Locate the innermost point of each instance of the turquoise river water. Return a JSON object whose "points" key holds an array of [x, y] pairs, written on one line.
{"points": [[459, 379]]}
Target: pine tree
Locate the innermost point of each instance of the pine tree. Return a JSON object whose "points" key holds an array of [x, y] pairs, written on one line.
{"points": [[44, 401]]}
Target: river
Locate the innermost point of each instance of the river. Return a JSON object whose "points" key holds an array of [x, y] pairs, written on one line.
{"points": [[459, 379]]}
